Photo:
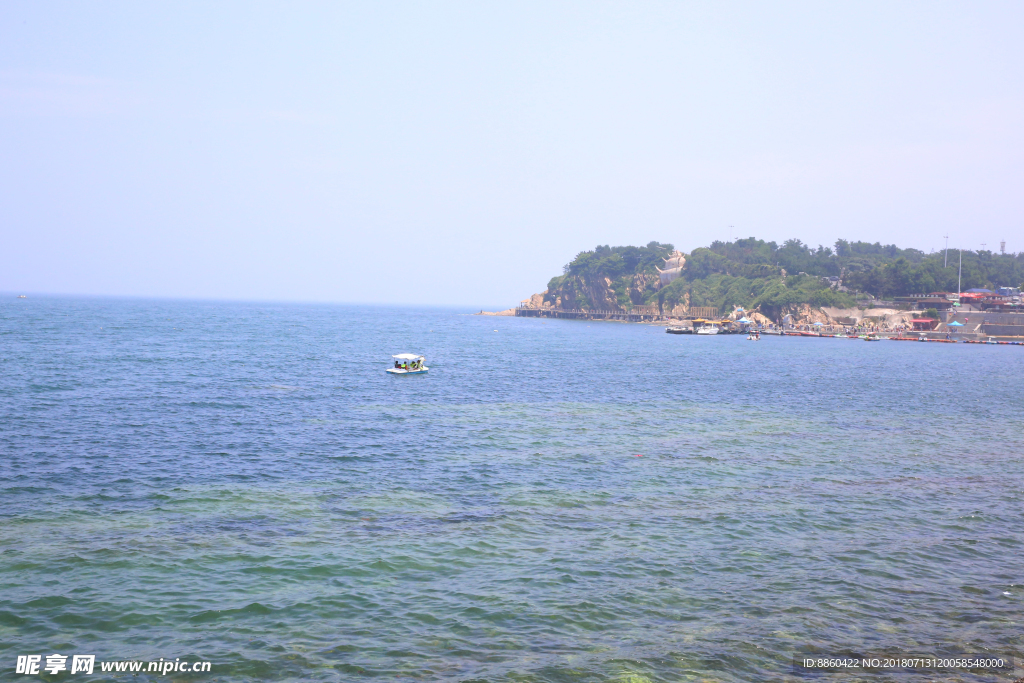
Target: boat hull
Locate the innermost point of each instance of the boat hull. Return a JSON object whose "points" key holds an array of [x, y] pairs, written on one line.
{"points": [[400, 371]]}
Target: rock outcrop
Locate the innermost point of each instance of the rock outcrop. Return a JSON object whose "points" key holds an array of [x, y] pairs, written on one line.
{"points": [[805, 314], [639, 285], [581, 292], [886, 316], [536, 301]]}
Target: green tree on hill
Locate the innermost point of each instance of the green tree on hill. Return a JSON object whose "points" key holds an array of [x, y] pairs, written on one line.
{"points": [[614, 262], [749, 273]]}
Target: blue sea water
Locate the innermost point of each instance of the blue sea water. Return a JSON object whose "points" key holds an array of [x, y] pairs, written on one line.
{"points": [[244, 484]]}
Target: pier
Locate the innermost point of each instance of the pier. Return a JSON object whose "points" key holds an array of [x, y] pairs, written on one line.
{"points": [[637, 314], [987, 328]]}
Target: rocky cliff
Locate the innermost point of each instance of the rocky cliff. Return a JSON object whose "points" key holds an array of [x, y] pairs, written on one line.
{"points": [[747, 273]]}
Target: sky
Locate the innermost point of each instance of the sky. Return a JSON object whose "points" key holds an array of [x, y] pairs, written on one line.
{"points": [[460, 154]]}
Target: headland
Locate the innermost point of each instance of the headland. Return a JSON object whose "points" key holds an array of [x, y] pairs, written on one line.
{"points": [[850, 287]]}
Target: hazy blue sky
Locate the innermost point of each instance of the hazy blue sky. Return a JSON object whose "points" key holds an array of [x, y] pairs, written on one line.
{"points": [[461, 153]]}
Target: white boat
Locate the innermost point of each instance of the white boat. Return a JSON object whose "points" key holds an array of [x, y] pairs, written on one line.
{"points": [[708, 329], [408, 364]]}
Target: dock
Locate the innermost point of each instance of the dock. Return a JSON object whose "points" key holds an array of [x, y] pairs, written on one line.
{"points": [[634, 314], [980, 332], [637, 314]]}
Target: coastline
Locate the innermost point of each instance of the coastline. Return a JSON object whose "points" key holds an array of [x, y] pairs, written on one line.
{"points": [[884, 323]]}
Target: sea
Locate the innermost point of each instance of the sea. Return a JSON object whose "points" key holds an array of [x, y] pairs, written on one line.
{"points": [[554, 501]]}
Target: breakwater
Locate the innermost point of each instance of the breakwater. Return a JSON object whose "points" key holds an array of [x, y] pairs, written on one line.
{"points": [[635, 315]]}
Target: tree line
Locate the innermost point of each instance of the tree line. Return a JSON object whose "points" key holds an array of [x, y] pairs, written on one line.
{"points": [[752, 272]]}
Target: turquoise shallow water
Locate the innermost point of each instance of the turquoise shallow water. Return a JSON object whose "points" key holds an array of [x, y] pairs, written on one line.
{"points": [[243, 483]]}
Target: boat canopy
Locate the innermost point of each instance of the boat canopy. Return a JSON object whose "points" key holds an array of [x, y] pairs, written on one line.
{"points": [[408, 356]]}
